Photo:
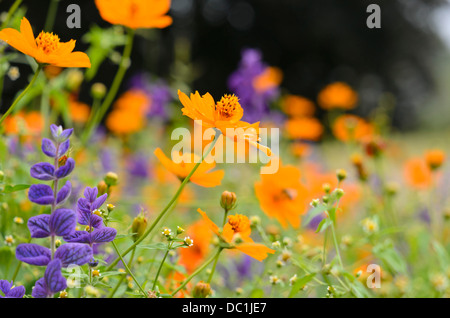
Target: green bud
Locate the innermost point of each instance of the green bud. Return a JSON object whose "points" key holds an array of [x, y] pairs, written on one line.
{"points": [[138, 226], [111, 179], [2, 176], [228, 200], [341, 174], [98, 90], [201, 290]]}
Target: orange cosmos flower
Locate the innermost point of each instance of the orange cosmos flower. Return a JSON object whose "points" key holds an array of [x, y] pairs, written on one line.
{"points": [[224, 114], [135, 14], [238, 229], [193, 256], [338, 95], [282, 195], [305, 128], [434, 158], [79, 112], [271, 77], [297, 106], [46, 48], [351, 128], [27, 124], [417, 173], [202, 176]]}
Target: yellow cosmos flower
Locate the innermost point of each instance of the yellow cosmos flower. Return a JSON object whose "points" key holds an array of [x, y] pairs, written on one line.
{"points": [[237, 233], [223, 115], [135, 14], [46, 48]]}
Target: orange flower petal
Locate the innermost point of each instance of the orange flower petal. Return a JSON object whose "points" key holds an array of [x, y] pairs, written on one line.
{"points": [[255, 250], [210, 223]]}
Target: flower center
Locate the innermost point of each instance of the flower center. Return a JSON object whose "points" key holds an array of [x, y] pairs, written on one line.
{"points": [[228, 106], [239, 223], [285, 195], [47, 42]]}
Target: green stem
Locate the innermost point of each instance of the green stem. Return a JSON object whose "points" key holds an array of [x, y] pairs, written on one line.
{"points": [[11, 11], [214, 265], [112, 92], [197, 271], [122, 277], [161, 265], [5, 115], [164, 211], [51, 15], [128, 269]]}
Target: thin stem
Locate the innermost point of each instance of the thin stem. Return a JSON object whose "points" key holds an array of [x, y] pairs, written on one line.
{"points": [[51, 15], [98, 116], [161, 265], [214, 266], [11, 11], [5, 115], [128, 269], [164, 211], [16, 272], [336, 246], [122, 277], [197, 271]]}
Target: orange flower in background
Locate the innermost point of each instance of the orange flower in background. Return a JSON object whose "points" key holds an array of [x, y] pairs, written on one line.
{"points": [[271, 77], [304, 128], [435, 158], [338, 95], [297, 106], [136, 14], [281, 195], [193, 256], [129, 113], [223, 115], [351, 128], [46, 48], [27, 124], [202, 176], [238, 226], [417, 174], [300, 149], [79, 112]]}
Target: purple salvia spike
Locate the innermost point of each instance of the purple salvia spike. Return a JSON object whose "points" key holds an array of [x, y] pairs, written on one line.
{"points": [[66, 169], [99, 202], [33, 254], [78, 237], [63, 147], [41, 194], [53, 279], [90, 194], [64, 193], [43, 171], [48, 147], [40, 289], [38, 226], [74, 253], [106, 234], [63, 222]]}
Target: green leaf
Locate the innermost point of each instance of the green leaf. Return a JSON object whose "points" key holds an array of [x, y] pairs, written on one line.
{"points": [[390, 256], [17, 187], [444, 259], [323, 225], [257, 293], [300, 283], [154, 246], [313, 213]]}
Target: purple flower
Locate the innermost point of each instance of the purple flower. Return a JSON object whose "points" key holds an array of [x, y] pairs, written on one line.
{"points": [[52, 282], [9, 291], [158, 93], [240, 82], [138, 166], [96, 233]]}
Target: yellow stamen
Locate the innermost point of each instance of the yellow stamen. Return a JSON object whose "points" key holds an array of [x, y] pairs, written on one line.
{"points": [[239, 222], [228, 106], [47, 42]]}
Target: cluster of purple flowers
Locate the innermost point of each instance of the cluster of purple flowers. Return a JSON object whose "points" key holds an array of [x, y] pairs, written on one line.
{"points": [[61, 222], [241, 82], [9, 291]]}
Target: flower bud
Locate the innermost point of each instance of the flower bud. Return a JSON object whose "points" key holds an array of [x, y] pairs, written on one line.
{"points": [[201, 290], [2, 176], [179, 230], [391, 188], [57, 243], [98, 90], [96, 273], [102, 187], [255, 220], [110, 207], [326, 188], [111, 179], [341, 175], [74, 79], [63, 294], [228, 200], [338, 193], [93, 263], [138, 226], [314, 203]]}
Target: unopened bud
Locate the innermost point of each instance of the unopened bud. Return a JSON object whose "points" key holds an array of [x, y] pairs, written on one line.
{"points": [[74, 79], [57, 243], [63, 294], [228, 200], [179, 230], [326, 188], [98, 90], [338, 193], [138, 226], [102, 187], [111, 179], [2, 176], [341, 175], [255, 220], [110, 207], [201, 290]]}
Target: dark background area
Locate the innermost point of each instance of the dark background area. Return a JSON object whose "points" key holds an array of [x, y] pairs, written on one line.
{"points": [[314, 42]]}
